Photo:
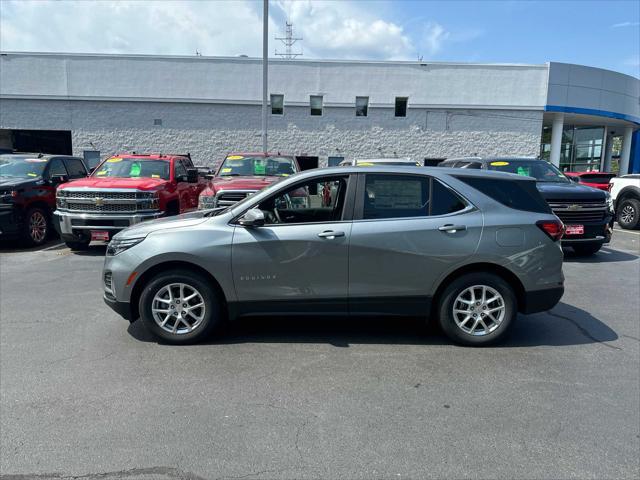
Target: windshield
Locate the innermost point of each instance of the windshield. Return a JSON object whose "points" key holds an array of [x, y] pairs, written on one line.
{"points": [[133, 168], [541, 170], [238, 165], [25, 167]]}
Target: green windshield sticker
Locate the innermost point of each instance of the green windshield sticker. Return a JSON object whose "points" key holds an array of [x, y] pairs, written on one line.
{"points": [[259, 167], [135, 170], [523, 171]]}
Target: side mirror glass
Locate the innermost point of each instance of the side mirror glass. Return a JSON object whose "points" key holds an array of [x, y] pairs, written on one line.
{"points": [[252, 218], [56, 180], [192, 175]]}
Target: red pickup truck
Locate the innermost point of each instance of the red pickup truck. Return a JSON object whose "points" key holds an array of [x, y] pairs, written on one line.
{"points": [[124, 190], [243, 174]]}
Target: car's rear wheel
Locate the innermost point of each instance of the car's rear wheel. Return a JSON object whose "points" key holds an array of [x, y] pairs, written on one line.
{"points": [[587, 249], [36, 228], [628, 214], [477, 309], [180, 307]]}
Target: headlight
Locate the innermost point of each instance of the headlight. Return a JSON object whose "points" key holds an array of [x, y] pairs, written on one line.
{"points": [[6, 196], [609, 201], [117, 246], [148, 200]]}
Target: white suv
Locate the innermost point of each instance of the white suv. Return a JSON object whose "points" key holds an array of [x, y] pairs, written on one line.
{"points": [[625, 193]]}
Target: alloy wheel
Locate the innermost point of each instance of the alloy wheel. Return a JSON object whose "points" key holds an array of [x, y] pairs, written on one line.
{"points": [[479, 310], [37, 227], [178, 308], [627, 214]]}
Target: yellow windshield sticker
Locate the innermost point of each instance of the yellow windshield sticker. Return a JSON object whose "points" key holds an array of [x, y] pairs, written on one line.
{"points": [[153, 175], [284, 175], [32, 174], [102, 172], [499, 164], [365, 164], [235, 157], [114, 160], [226, 170]]}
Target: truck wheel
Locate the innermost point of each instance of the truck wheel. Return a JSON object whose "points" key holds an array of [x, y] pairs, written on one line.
{"points": [[180, 307], [36, 226], [588, 249], [477, 309], [628, 214], [78, 246]]}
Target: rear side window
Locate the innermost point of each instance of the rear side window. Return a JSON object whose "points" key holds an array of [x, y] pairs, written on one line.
{"points": [[75, 167], [517, 194], [403, 196]]}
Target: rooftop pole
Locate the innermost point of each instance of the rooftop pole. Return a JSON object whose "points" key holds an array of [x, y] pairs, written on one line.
{"points": [[265, 68]]}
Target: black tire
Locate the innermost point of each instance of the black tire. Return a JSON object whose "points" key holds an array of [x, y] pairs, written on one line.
{"points": [[78, 246], [446, 305], [213, 307], [587, 249], [36, 228], [628, 213]]}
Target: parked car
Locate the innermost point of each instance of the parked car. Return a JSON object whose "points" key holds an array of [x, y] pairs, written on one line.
{"points": [[28, 184], [396, 162], [625, 192], [124, 190], [243, 174], [470, 248], [586, 212], [599, 180]]}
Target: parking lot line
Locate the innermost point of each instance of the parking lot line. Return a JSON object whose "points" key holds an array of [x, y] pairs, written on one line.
{"points": [[625, 231], [53, 246]]}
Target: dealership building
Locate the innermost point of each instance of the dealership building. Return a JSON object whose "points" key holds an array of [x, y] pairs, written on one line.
{"points": [[578, 117]]}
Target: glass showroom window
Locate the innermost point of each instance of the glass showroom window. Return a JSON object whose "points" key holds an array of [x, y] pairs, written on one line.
{"points": [[401, 106], [362, 106], [315, 102], [277, 104]]}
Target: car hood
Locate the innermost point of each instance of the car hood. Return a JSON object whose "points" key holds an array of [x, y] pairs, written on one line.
{"points": [[569, 191], [179, 221], [114, 182], [243, 183], [17, 182]]}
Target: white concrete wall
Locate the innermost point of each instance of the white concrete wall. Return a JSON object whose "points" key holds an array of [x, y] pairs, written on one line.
{"points": [[210, 131]]}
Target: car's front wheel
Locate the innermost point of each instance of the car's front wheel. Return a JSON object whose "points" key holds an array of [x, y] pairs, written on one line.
{"points": [[477, 309], [36, 228], [628, 214], [180, 307]]}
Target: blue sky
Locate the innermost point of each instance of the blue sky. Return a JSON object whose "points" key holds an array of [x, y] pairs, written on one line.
{"points": [[603, 34]]}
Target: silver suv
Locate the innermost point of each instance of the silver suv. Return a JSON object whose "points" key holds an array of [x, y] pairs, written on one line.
{"points": [[389, 240]]}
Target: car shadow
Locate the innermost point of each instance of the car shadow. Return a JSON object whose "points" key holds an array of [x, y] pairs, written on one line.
{"points": [[14, 246], [605, 255], [565, 325], [94, 250]]}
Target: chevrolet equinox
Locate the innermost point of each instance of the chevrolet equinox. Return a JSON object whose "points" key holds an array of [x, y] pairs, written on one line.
{"points": [[468, 248]]}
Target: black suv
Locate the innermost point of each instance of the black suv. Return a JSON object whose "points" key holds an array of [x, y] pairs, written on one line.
{"points": [[28, 184], [586, 212]]}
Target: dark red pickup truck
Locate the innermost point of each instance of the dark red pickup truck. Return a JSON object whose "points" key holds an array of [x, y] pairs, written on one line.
{"points": [[124, 190]]}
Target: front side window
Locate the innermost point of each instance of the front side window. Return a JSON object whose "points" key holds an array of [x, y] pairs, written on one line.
{"points": [[362, 106], [317, 200], [126, 167], [396, 196], [277, 104], [401, 106], [315, 102], [56, 167], [240, 165], [180, 172], [75, 167]]}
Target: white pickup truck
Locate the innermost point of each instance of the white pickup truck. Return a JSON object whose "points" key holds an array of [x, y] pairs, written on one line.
{"points": [[625, 193]]}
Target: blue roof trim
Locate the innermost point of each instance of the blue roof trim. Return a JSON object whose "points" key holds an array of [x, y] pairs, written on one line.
{"points": [[590, 111]]}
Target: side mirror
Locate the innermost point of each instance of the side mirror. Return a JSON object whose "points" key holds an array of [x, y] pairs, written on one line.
{"points": [[252, 218], [574, 179], [210, 176], [56, 180], [192, 175]]}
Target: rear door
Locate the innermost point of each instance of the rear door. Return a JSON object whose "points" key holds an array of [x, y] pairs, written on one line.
{"points": [[298, 260], [407, 230]]}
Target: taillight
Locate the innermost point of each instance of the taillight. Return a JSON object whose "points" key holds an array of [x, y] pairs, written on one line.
{"points": [[553, 228]]}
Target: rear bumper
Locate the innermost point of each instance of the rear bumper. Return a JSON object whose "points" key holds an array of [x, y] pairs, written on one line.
{"points": [[74, 224], [121, 308], [541, 300], [593, 233]]}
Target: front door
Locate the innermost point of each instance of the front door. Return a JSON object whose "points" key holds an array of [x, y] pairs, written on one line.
{"points": [[298, 259], [407, 230], [185, 190]]}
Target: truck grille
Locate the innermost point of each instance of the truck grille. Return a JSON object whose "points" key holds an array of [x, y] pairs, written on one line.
{"points": [[105, 201], [579, 211], [92, 207], [229, 197], [133, 195]]}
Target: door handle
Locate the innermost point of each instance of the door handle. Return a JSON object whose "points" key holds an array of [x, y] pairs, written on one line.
{"points": [[330, 234], [452, 228]]}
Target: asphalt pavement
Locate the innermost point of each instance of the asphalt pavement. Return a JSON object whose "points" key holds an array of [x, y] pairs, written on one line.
{"points": [[83, 394]]}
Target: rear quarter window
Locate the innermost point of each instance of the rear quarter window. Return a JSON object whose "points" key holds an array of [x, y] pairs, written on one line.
{"points": [[516, 194]]}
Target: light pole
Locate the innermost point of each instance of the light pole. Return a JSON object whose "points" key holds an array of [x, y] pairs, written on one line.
{"points": [[265, 70]]}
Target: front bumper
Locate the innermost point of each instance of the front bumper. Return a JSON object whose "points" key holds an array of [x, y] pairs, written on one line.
{"points": [[121, 308], [11, 222], [541, 300], [75, 224]]}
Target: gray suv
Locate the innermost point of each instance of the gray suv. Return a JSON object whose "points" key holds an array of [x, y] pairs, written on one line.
{"points": [[389, 240]]}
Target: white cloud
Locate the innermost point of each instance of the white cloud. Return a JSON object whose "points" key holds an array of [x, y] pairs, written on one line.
{"points": [[434, 37], [625, 24]]}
